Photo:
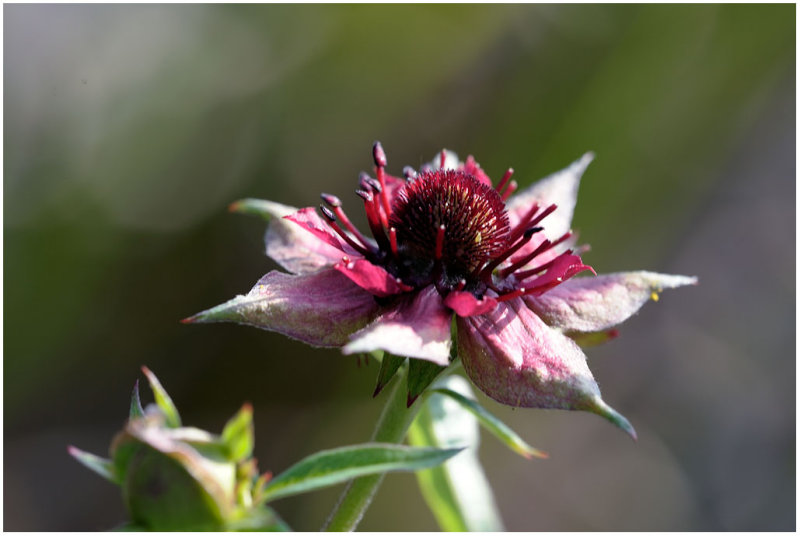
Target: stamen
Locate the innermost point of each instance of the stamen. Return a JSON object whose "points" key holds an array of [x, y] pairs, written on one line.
{"points": [[546, 212], [393, 240], [541, 268], [439, 242], [336, 203], [373, 218], [486, 272], [379, 156], [544, 246], [512, 186], [409, 173], [511, 295], [341, 232], [523, 222], [504, 180]]}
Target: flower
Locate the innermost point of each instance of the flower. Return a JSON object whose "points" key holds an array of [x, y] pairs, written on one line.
{"points": [[447, 243]]}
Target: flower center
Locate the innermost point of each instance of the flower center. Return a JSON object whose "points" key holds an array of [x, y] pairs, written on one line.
{"points": [[449, 219]]}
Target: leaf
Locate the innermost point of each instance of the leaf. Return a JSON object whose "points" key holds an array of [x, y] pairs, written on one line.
{"points": [[389, 365], [238, 434], [173, 419], [136, 410], [421, 374], [494, 425], [334, 466], [457, 491], [101, 466]]}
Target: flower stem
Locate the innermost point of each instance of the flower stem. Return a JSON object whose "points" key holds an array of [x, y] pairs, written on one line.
{"points": [[391, 427]]}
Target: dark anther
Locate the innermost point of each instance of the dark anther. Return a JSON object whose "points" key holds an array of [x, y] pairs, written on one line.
{"points": [[378, 154], [327, 213], [529, 232], [331, 200], [409, 173]]}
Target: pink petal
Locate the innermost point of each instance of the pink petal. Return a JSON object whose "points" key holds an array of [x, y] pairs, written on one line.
{"points": [[474, 169], [516, 359], [598, 303], [308, 219], [320, 309], [465, 304], [560, 188], [292, 246], [418, 327], [393, 185], [372, 278]]}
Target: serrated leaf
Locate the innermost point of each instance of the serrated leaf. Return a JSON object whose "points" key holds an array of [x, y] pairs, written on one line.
{"points": [[457, 492], [494, 425], [238, 434], [389, 366], [101, 466], [335, 466], [163, 400], [136, 410], [421, 374]]}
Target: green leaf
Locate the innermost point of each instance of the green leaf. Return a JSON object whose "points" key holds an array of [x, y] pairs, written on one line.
{"points": [[136, 410], [421, 374], [238, 434], [101, 466], [389, 365], [494, 425], [173, 419], [334, 466], [457, 492]]}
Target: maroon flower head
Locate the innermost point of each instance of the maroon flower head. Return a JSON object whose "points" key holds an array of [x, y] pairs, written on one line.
{"points": [[446, 241]]}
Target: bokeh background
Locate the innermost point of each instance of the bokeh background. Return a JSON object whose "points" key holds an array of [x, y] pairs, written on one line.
{"points": [[129, 129]]}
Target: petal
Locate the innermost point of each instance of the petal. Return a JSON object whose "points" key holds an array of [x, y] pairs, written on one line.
{"points": [[516, 359], [560, 188], [393, 185], [474, 169], [598, 303], [465, 304], [287, 244], [308, 219], [418, 327], [372, 278], [451, 160], [321, 309]]}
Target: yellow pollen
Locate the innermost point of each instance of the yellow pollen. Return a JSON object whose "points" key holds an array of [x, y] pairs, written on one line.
{"points": [[654, 296], [478, 237]]}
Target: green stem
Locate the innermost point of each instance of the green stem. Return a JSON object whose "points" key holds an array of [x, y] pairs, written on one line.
{"points": [[391, 427]]}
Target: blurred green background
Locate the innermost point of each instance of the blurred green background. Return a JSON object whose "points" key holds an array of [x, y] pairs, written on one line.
{"points": [[129, 129]]}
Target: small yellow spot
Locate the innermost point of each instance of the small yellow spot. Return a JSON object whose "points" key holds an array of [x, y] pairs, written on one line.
{"points": [[654, 296], [478, 237]]}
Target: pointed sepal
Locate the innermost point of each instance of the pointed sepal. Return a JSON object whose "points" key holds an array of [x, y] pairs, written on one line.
{"points": [[101, 466], [421, 374], [136, 409], [163, 400], [238, 435], [389, 366]]}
